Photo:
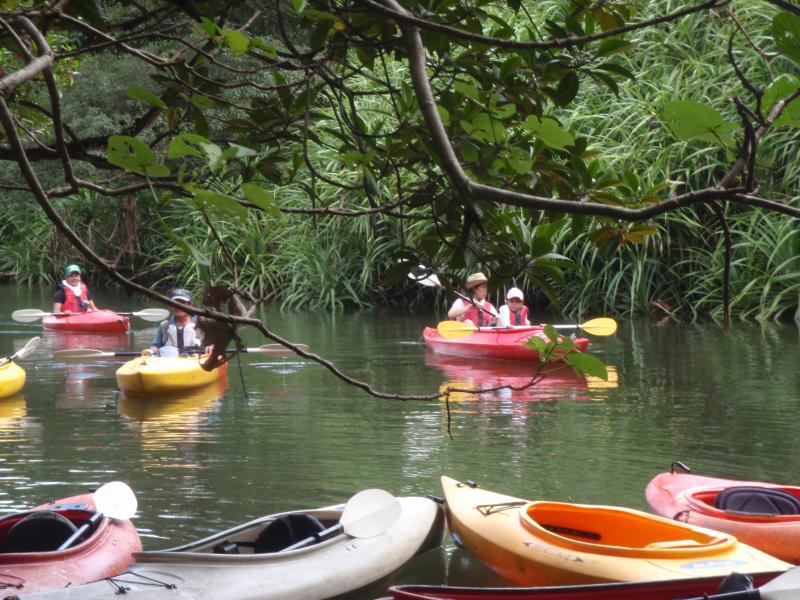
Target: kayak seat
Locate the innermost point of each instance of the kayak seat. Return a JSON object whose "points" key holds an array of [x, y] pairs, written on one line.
{"points": [[40, 531], [757, 501], [285, 531]]}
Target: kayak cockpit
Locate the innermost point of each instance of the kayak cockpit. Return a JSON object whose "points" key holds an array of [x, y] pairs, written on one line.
{"points": [[264, 536], [618, 531], [44, 531]]}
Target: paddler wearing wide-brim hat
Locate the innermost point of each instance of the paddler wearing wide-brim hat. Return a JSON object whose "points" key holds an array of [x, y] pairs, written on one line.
{"points": [[478, 310], [72, 295]]}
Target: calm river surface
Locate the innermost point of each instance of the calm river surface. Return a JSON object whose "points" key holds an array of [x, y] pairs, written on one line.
{"points": [[725, 404]]}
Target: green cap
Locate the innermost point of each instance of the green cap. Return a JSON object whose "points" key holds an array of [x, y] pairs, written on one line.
{"points": [[73, 269]]}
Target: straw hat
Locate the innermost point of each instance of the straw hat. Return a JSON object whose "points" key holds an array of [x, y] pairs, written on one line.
{"points": [[475, 280]]}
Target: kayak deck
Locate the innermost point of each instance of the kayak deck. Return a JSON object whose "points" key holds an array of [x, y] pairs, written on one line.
{"points": [[157, 375], [495, 343], [96, 321]]}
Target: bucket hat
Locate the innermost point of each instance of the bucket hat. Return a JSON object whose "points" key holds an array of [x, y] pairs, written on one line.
{"points": [[181, 294]]}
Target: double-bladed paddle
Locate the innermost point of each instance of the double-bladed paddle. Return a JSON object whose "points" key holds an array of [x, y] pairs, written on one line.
{"points": [[76, 354], [458, 329], [367, 514], [783, 587], [114, 500], [27, 349], [28, 315], [433, 281]]}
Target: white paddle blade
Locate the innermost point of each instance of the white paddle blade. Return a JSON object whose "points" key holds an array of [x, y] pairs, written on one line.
{"points": [[81, 354], [152, 314], [115, 500], [28, 315], [429, 281], [28, 348], [276, 350], [783, 587], [370, 513]]}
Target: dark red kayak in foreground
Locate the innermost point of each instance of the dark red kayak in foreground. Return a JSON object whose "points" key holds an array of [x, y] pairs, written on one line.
{"points": [[654, 590], [29, 557], [96, 321], [503, 343]]}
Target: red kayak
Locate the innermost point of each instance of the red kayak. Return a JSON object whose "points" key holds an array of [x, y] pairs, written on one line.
{"points": [[96, 321], [763, 515], [648, 590], [29, 557], [504, 343]]}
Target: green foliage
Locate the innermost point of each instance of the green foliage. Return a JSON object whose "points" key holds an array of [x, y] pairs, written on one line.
{"points": [[557, 348]]}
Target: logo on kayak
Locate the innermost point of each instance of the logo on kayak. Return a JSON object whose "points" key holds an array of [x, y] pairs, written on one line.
{"points": [[713, 564]]}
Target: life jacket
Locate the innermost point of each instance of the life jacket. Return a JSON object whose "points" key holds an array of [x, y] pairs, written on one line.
{"points": [[519, 317], [180, 338], [72, 302], [479, 316]]}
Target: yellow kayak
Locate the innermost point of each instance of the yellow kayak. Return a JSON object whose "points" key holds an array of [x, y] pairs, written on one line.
{"points": [[557, 543], [154, 375], [12, 378]]}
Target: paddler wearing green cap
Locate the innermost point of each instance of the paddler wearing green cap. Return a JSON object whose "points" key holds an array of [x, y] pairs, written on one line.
{"points": [[72, 295]]}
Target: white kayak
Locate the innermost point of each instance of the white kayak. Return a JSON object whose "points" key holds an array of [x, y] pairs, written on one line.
{"points": [[245, 563]]}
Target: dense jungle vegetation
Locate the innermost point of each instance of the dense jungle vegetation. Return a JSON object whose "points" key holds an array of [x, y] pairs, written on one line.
{"points": [[626, 121]]}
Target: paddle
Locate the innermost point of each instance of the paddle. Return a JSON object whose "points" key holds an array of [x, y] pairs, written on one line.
{"points": [[28, 315], [367, 514], [86, 353], [456, 329], [783, 587], [433, 281], [25, 351], [114, 500]]}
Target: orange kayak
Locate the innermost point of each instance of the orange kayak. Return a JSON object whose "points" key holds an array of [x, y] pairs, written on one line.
{"points": [[558, 543], [763, 515]]}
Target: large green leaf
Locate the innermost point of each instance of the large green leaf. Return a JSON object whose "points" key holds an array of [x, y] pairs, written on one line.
{"points": [[691, 120], [586, 363], [549, 131], [222, 205], [144, 95], [134, 156], [261, 198], [781, 88], [786, 29]]}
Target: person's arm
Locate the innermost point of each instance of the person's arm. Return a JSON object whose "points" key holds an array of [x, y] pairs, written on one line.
{"points": [[458, 309], [158, 341], [58, 300], [90, 301], [504, 317]]}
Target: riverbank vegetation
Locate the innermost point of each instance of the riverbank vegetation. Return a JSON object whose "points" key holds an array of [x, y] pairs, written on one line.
{"points": [[304, 171]]}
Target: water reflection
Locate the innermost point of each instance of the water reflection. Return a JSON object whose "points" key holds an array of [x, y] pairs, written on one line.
{"points": [[177, 419], [559, 382], [12, 411]]}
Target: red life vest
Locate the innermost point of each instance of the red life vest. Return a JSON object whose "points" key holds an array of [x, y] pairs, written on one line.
{"points": [[479, 316], [519, 317], [71, 301]]}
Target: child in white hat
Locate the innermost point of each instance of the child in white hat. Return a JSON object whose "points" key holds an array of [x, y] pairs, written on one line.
{"points": [[513, 312]]}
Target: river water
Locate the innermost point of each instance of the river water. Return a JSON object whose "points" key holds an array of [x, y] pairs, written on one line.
{"points": [[285, 434]]}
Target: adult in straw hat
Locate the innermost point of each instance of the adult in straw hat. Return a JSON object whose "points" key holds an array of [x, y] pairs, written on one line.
{"points": [[478, 310]]}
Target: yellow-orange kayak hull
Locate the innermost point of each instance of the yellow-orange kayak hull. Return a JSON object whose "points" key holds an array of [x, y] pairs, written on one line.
{"points": [[12, 378], [556, 543], [157, 375]]}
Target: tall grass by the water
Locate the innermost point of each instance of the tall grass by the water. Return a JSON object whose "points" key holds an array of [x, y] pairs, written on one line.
{"points": [[681, 270], [328, 262]]}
